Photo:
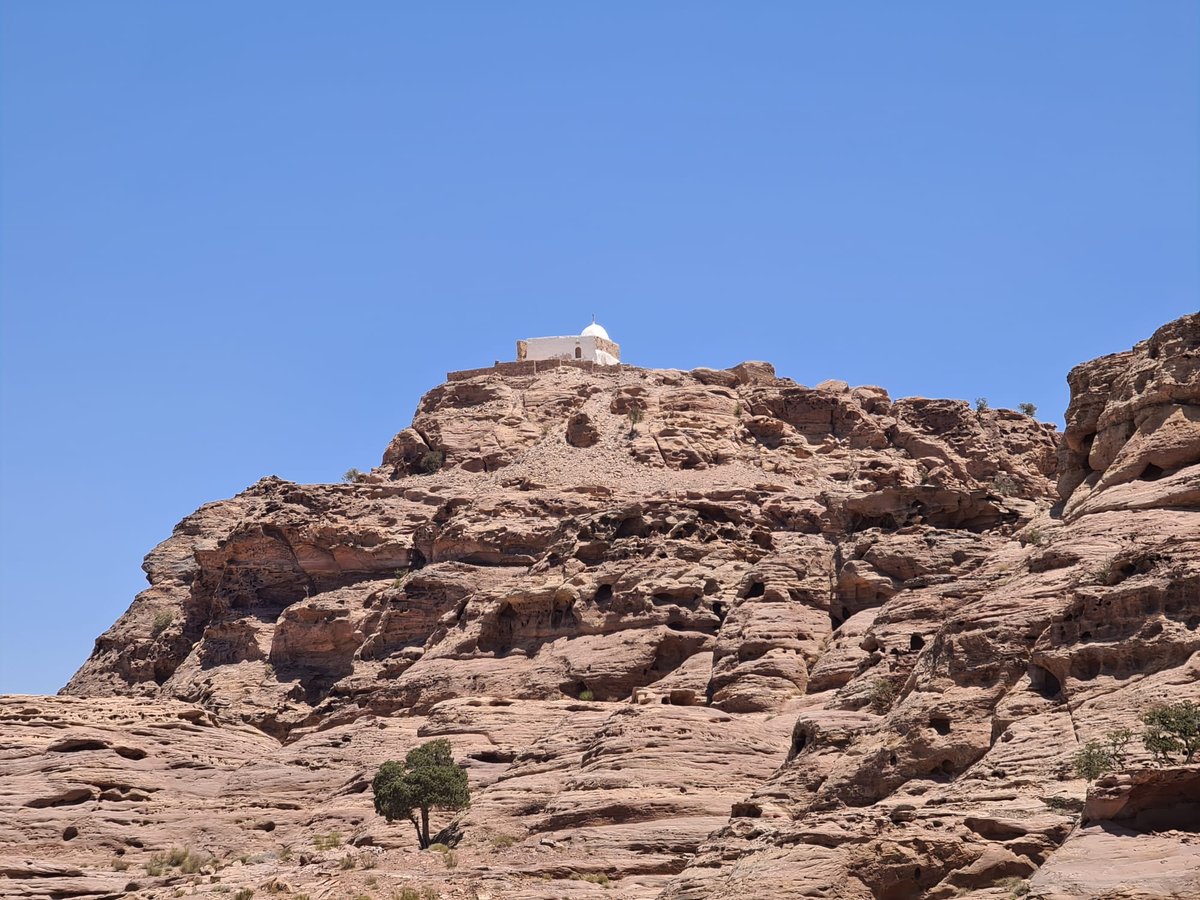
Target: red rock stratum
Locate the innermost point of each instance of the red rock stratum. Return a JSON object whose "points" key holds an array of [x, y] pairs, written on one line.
{"points": [[753, 640]]}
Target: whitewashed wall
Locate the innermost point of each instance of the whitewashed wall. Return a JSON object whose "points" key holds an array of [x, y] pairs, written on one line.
{"points": [[564, 348]]}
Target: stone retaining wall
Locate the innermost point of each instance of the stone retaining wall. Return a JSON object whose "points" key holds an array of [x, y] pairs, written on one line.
{"points": [[532, 367]]}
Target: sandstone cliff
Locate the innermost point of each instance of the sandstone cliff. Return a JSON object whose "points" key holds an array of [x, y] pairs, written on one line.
{"points": [[861, 637]]}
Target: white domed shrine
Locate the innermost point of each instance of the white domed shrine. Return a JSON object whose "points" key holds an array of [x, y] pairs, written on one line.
{"points": [[592, 345], [595, 330]]}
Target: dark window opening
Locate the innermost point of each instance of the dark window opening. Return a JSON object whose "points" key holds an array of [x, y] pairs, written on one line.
{"points": [[915, 642], [579, 353], [940, 724]]}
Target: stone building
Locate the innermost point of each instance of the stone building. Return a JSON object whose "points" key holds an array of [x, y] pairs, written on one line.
{"points": [[592, 345]]}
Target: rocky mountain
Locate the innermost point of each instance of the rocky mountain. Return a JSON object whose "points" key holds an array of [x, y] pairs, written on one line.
{"points": [[693, 635]]}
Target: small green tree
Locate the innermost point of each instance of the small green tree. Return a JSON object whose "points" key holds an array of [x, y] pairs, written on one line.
{"points": [[427, 779], [982, 405], [1092, 760], [1117, 742], [431, 461], [635, 416], [163, 620], [1028, 409], [1171, 729], [881, 695], [351, 475]]}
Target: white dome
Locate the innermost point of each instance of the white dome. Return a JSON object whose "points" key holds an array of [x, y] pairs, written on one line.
{"points": [[595, 330]]}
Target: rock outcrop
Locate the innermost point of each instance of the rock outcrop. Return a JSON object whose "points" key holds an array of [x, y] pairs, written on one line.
{"points": [[693, 634]]}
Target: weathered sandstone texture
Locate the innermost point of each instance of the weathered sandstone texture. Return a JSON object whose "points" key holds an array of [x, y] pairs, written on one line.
{"points": [[694, 635]]}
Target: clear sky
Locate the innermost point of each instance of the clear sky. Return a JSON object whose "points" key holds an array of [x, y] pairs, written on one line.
{"points": [[239, 239]]}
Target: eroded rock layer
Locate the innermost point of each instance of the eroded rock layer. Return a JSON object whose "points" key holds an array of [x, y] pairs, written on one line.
{"points": [[693, 634]]}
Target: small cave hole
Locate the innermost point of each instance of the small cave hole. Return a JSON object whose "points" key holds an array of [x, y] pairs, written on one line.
{"points": [[1193, 623], [416, 559], [560, 616], [70, 833], [720, 610], [757, 589], [946, 767], [74, 745], [603, 594], [1044, 682], [940, 724], [745, 811], [1151, 473], [915, 642]]}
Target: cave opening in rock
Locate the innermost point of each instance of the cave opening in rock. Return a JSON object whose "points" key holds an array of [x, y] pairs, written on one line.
{"points": [[720, 610], [1044, 682], [915, 642], [603, 594], [940, 724], [746, 810], [757, 589], [561, 615], [1151, 473]]}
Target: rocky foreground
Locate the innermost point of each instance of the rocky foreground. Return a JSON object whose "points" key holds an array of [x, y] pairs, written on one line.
{"points": [[698, 634]]}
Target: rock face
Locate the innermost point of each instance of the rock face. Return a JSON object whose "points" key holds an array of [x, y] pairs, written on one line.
{"points": [[693, 634]]}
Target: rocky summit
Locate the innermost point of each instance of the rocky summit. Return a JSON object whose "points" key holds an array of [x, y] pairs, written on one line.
{"points": [[704, 634]]}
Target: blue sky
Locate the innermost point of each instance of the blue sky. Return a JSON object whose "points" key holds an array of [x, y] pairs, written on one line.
{"points": [[239, 239]]}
